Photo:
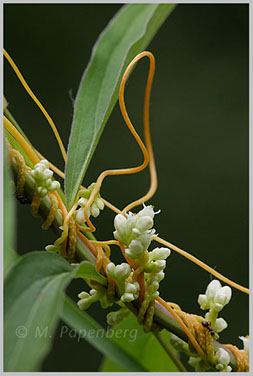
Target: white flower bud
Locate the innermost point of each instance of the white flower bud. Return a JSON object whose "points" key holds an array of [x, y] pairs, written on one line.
{"points": [[130, 288], [122, 271], [159, 276], [80, 216], [55, 185], [144, 223], [212, 289], [44, 163], [222, 357], [82, 202], [245, 344], [203, 302], [111, 269], [136, 248], [42, 191], [155, 266], [159, 254], [47, 174], [99, 203], [220, 325], [223, 295], [127, 297], [120, 224], [147, 211], [83, 295], [94, 210], [84, 304], [36, 174]]}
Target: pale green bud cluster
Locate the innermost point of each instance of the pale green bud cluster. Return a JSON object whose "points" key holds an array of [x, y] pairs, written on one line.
{"points": [[198, 364], [129, 291], [154, 270], [222, 359], [114, 318], [215, 299], [43, 178], [86, 299], [179, 344], [135, 231], [95, 207]]}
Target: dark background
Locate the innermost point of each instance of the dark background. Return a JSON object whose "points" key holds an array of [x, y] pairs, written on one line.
{"points": [[199, 121]]}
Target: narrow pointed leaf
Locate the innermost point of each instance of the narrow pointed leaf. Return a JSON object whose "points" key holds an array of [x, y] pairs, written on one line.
{"points": [[32, 299], [10, 254], [96, 336], [142, 346], [128, 34]]}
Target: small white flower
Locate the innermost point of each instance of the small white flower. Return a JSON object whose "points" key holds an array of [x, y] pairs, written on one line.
{"points": [[220, 325]]}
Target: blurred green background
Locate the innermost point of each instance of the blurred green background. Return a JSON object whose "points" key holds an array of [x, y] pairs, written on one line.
{"points": [[199, 121]]}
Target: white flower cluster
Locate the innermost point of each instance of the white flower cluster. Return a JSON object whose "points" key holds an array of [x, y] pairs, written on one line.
{"points": [[43, 178], [215, 299], [129, 291], [135, 231], [95, 207], [86, 299]]}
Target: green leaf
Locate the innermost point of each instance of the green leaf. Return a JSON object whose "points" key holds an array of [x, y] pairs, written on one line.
{"points": [[88, 271], [144, 347], [128, 34], [9, 218], [32, 299], [97, 336]]}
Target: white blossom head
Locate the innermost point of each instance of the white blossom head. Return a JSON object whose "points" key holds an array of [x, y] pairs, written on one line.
{"points": [[216, 296]]}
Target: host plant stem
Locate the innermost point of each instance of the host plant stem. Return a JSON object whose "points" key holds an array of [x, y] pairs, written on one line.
{"points": [[161, 316]]}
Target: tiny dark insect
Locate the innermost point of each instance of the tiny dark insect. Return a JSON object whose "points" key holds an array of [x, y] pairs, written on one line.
{"points": [[22, 200], [207, 324]]}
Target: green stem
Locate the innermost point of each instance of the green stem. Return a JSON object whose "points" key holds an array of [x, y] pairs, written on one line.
{"points": [[172, 354]]}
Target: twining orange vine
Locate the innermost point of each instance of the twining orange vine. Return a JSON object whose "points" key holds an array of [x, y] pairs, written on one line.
{"points": [[97, 247]]}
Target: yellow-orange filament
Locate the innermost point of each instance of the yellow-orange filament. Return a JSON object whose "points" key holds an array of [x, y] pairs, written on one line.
{"points": [[38, 103]]}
